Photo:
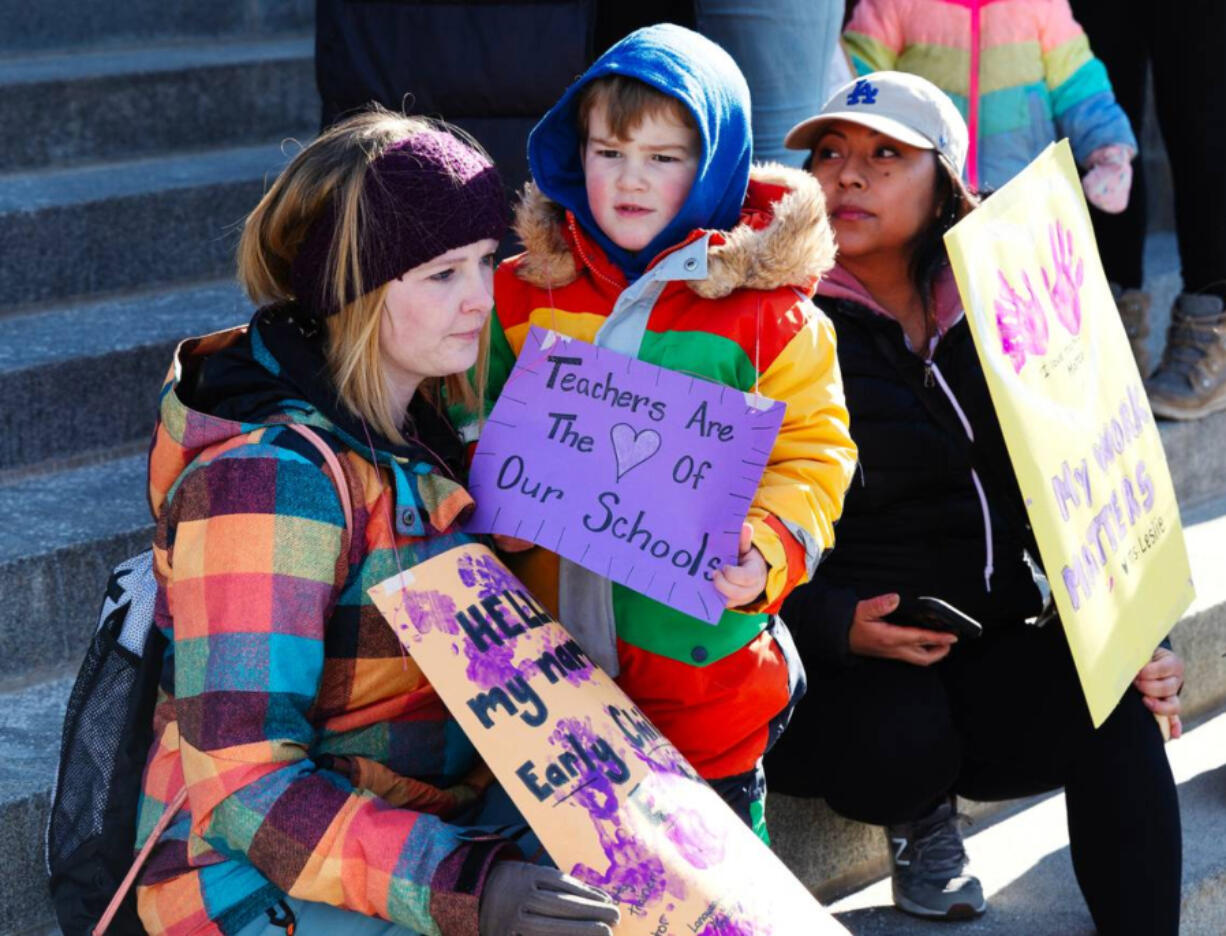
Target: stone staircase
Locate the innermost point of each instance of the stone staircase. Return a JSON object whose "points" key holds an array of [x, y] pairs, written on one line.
{"points": [[139, 135]]}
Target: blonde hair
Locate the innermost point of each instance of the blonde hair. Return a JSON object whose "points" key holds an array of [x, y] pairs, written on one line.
{"points": [[329, 174], [627, 103]]}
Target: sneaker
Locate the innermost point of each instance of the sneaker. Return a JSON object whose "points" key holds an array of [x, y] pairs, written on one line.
{"points": [[927, 860], [1190, 382], [1133, 306]]}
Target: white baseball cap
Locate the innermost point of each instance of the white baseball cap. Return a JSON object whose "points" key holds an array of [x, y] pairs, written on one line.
{"points": [[905, 107]]}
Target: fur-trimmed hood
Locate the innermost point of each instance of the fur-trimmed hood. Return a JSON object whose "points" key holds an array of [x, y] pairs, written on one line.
{"points": [[783, 238]]}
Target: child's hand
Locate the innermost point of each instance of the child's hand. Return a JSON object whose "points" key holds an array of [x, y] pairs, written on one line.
{"points": [[511, 544], [1109, 181], [744, 582]]}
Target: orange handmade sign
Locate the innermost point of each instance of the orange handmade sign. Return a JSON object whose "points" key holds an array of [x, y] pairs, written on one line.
{"points": [[615, 804]]}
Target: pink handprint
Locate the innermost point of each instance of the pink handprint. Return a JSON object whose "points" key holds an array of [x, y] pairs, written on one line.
{"points": [[1022, 322], [1064, 285]]}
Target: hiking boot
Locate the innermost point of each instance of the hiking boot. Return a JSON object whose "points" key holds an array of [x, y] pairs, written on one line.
{"points": [[1191, 380], [1133, 305], [927, 859]]}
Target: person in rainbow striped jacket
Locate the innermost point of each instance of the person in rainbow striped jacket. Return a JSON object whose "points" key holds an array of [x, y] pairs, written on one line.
{"points": [[1022, 74]]}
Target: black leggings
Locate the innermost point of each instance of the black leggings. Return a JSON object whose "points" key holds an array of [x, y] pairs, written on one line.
{"points": [[1000, 718], [1184, 45]]}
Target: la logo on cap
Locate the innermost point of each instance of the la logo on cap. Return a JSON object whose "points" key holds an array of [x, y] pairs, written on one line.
{"points": [[862, 93]]}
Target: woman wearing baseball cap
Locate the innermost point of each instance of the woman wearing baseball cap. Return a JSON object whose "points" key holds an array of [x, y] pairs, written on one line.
{"points": [[902, 717]]}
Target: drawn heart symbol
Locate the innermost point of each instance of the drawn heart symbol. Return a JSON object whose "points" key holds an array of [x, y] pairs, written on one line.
{"points": [[632, 448]]}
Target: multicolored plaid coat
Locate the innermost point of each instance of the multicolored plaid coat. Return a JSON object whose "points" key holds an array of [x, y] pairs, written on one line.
{"points": [[1021, 72], [318, 760], [743, 318]]}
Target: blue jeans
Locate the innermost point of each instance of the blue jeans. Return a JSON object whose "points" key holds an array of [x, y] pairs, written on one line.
{"points": [[784, 49], [494, 813]]}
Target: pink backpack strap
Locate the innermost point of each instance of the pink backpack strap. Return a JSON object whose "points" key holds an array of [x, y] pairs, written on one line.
{"points": [[338, 476], [171, 810], [173, 807]]}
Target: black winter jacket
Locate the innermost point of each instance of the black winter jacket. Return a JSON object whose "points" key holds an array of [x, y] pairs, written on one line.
{"points": [[493, 68], [913, 520]]}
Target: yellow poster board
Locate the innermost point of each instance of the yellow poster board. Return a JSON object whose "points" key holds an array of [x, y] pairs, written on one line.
{"points": [[1080, 432], [610, 798]]}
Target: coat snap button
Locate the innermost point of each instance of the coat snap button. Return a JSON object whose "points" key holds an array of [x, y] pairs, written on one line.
{"points": [[699, 654]]}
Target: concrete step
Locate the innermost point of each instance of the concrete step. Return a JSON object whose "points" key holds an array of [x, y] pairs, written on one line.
{"points": [[1200, 636], [127, 225], [77, 107], [30, 722], [1195, 455], [117, 351], [834, 856], [62, 534], [1024, 865], [73, 23]]}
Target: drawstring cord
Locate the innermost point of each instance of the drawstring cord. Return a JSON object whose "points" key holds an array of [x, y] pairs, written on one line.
{"points": [[989, 566], [438, 459]]}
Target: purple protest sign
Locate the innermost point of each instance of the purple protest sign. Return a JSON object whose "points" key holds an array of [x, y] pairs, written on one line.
{"points": [[641, 474]]}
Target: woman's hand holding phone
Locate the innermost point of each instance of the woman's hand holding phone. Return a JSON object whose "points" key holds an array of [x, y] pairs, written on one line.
{"points": [[873, 637]]}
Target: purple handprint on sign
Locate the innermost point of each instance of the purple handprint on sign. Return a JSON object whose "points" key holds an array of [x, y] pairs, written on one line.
{"points": [[1021, 320], [492, 666], [487, 574], [1064, 285], [429, 610]]}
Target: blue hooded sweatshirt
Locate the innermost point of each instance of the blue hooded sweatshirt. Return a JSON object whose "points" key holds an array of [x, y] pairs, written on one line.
{"points": [[682, 64]]}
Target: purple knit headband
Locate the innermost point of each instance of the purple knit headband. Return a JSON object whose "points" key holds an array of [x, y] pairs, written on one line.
{"points": [[423, 197]]}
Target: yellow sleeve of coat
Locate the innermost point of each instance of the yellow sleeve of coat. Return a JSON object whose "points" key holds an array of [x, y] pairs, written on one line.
{"points": [[801, 493]]}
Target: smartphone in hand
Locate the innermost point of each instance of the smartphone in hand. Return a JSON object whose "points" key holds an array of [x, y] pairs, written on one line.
{"points": [[933, 614]]}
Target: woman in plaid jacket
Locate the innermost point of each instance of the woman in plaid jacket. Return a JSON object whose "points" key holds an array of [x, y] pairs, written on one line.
{"points": [[327, 785]]}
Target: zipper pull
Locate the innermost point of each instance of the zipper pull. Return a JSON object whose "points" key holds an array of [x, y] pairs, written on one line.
{"points": [[929, 381]]}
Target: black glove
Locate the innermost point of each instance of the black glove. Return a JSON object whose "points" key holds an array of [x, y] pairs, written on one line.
{"points": [[521, 899]]}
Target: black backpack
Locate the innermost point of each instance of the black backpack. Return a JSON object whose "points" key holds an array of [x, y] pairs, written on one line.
{"points": [[108, 730]]}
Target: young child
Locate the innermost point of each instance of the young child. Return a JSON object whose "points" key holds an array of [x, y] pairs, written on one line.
{"points": [[645, 231], [1021, 73]]}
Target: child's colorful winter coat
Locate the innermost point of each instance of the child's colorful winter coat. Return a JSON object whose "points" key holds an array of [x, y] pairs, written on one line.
{"points": [[728, 311], [722, 292], [1021, 72]]}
